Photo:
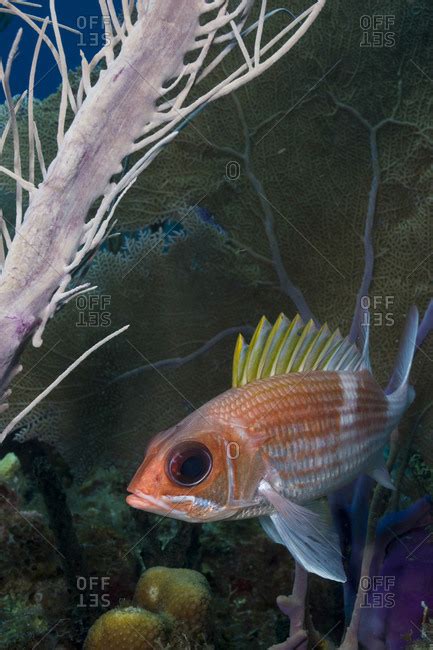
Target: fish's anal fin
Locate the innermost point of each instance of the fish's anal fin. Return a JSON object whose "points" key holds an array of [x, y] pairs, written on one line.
{"points": [[308, 535]]}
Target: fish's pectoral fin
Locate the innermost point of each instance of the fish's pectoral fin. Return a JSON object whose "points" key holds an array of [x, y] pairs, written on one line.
{"points": [[309, 537], [269, 527]]}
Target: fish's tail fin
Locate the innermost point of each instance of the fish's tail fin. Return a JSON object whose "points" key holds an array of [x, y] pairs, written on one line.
{"points": [[399, 392]]}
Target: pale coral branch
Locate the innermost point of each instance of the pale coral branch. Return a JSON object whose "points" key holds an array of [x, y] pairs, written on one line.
{"points": [[30, 111], [5, 240], [17, 173], [63, 67], [243, 74], [27, 4], [108, 29], [39, 151], [308, 16], [118, 110], [294, 606], [118, 27], [222, 20], [259, 33], [41, 20], [25, 185], [31, 22], [5, 233], [7, 127], [127, 16], [57, 381], [241, 44], [85, 74], [106, 52], [78, 291]]}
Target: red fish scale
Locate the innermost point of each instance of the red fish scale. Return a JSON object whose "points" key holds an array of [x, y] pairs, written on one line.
{"points": [[313, 428]]}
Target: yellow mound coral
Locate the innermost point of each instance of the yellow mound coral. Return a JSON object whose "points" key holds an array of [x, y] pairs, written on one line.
{"points": [[171, 611], [181, 593], [131, 628]]}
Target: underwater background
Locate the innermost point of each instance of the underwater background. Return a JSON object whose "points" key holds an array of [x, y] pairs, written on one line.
{"points": [[264, 196]]}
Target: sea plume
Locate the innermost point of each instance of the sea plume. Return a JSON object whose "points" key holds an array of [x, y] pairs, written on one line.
{"points": [[138, 91]]}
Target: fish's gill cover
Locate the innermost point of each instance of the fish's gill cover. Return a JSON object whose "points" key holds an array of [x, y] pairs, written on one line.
{"points": [[301, 148]]}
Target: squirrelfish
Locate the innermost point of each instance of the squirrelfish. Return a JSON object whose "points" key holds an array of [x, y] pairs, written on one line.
{"points": [[304, 417]]}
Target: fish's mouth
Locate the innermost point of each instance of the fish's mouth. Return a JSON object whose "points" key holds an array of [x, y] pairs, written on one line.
{"points": [[164, 508], [141, 501]]}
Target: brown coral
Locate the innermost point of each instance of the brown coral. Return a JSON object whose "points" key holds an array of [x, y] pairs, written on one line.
{"points": [[131, 628], [171, 610], [181, 593]]}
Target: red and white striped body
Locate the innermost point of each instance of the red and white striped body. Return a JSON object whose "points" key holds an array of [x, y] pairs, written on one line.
{"points": [[313, 432]]}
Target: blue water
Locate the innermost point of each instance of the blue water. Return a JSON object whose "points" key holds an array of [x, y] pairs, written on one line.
{"points": [[83, 15]]}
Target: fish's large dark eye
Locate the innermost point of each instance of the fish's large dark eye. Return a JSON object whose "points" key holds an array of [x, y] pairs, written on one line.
{"points": [[189, 464]]}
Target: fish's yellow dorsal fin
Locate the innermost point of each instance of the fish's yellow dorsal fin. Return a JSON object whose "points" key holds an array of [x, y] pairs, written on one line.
{"points": [[292, 346]]}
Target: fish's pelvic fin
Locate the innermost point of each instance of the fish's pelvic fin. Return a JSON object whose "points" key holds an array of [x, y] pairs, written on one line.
{"points": [[269, 527], [308, 535]]}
